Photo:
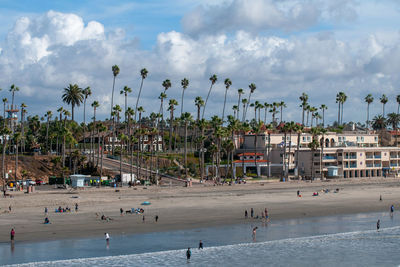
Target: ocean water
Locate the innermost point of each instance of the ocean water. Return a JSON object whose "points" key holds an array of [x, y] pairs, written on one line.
{"points": [[347, 240]]}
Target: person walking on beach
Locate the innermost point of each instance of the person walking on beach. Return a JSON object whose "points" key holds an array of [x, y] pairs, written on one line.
{"points": [[12, 235], [391, 210], [245, 214], [188, 254], [156, 218], [266, 214], [76, 207], [200, 245], [143, 219], [46, 211], [251, 213], [121, 211], [378, 225]]}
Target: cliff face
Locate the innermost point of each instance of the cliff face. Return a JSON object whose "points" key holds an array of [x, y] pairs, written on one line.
{"points": [[31, 167]]}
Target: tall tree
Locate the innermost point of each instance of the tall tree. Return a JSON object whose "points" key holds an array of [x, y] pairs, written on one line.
{"points": [[73, 96], [240, 93], [48, 115], [116, 111], [86, 92], [282, 105], [199, 102], [125, 92], [186, 118], [5, 132], [398, 103], [368, 99], [143, 74], [94, 105], [13, 89], [115, 71], [304, 103], [185, 84], [5, 100], [213, 80], [252, 88], [227, 83], [17, 138], [244, 102], [171, 108], [323, 107], [383, 100]]}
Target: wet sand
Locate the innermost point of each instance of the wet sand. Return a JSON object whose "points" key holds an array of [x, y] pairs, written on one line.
{"points": [[183, 208]]}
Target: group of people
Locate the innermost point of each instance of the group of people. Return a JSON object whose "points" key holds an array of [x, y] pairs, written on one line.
{"points": [[264, 214], [189, 252]]}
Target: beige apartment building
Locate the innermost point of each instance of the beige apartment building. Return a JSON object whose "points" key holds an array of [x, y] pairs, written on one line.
{"points": [[350, 162]]}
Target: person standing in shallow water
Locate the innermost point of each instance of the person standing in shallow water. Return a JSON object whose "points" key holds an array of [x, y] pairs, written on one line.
{"points": [[188, 254], [251, 213], [200, 245], [245, 214], [378, 225], [12, 234]]}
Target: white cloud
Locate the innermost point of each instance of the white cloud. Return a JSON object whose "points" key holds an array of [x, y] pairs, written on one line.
{"points": [[42, 55]]}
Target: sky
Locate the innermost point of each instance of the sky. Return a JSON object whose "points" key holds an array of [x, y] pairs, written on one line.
{"points": [[285, 47]]}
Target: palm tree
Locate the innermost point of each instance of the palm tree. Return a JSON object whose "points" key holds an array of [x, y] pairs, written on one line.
{"points": [[185, 84], [378, 122], [313, 145], [252, 88], [338, 100], [73, 96], [394, 119], [323, 107], [48, 115], [312, 110], [369, 99], [259, 107], [240, 93], [244, 102], [256, 128], [13, 89], [122, 139], [115, 71], [94, 105], [266, 107], [5, 100], [201, 125], [383, 100], [398, 103], [143, 74], [235, 109], [171, 108], [86, 92], [282, 105], [125, 92], [102, 128], [213, 80], [343, 100], [186, 119], [298, 129], [199, 102], [5, 132], [23, 112], [116, 110], [227, 83], [17, 137], [304, 99]]}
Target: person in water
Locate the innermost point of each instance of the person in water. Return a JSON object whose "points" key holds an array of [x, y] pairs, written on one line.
{"points": [[12, 234], [254, 233], [391, 210], [200, 245], [378, 225], [251, 213], [245, 214], [107, 237], [188, 254]]}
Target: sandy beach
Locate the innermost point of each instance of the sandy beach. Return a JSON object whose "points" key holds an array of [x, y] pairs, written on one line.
{"points": [[183, 208]]}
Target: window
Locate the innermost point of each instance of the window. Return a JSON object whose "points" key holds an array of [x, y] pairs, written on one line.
{"points": [[340, 139], [283, 138], [308, 138], [362, 138], [376, 138], [304, 138]]}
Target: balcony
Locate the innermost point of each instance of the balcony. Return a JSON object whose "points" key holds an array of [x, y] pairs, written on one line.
{"points": [[393, 164], [393, 156], [369, 156], [353, 166], [377, 156], [369, 165], [377, 165], [329, 157], [350, 157]]}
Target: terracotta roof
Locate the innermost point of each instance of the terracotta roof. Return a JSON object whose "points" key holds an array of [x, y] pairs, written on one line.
{"points": [[250, 160], [250, 154]]}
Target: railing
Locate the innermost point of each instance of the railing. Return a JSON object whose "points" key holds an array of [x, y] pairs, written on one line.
{"points": [[369, 156], [377, 156], [351, 157], [377, 165], [369, 165], [329, 157], [393, 164], [393, 156]]}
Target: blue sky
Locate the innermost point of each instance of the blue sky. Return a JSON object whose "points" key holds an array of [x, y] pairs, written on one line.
{"points": [[284, 46]]}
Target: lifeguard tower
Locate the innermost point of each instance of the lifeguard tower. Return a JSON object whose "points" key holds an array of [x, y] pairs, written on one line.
{"points": [[12, 116]]}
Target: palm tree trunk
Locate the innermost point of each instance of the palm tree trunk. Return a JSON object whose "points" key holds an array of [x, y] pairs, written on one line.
{"points": [[284, 155], [120, 160], [98, 149], [368, 116], [223, 110], [3, 164], [183, 92], [102, 154], [16, 159], [205, 104], [297, 155], [113, 137], [171, 125], [290, 150], [338, 116], [255, 153], [302, 116], [341, 118], [238, 107], [269, 154], [137, 100], [112, 100], [185, 152], [47, 135]]}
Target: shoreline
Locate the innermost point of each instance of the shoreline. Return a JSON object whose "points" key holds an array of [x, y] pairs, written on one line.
{"points": [[181, 208]]}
